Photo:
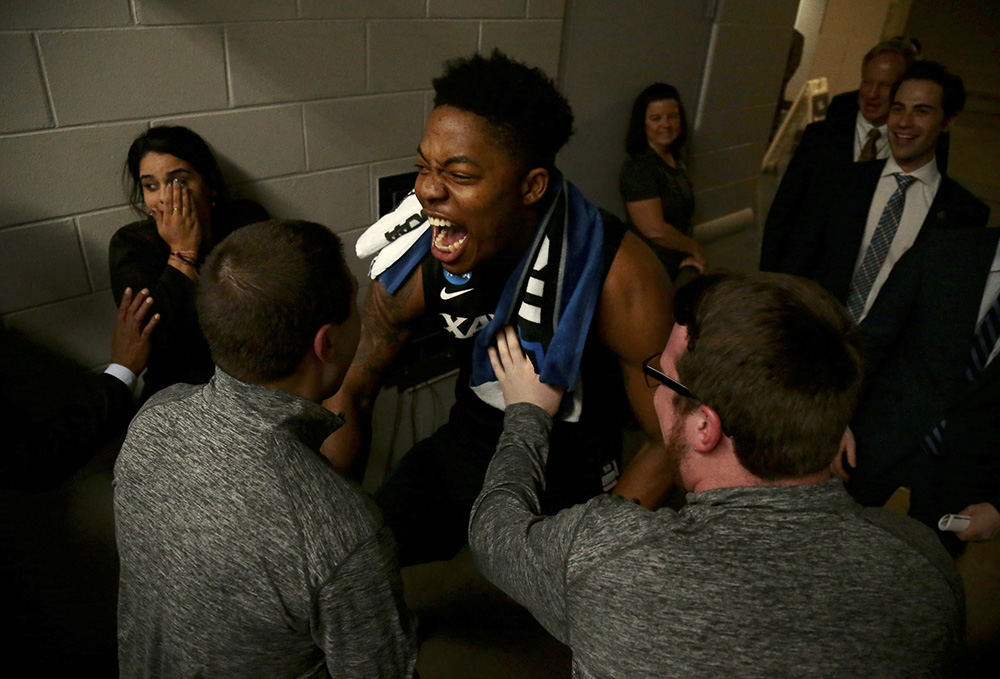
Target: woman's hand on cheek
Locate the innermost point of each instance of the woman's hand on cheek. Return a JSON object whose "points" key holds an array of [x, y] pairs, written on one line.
{"points": [[179, 225], [517, 377]]}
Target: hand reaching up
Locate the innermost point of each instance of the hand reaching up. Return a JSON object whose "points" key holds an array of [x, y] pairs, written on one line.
{"points": [[130, 339], [517, 377]]}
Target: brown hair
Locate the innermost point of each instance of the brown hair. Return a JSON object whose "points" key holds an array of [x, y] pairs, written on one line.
{"points": [[952, 87], [778, 358], [635, 136], [265, 291]]}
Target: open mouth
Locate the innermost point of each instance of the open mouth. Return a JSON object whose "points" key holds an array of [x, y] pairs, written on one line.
{"points": [[448, 237]]}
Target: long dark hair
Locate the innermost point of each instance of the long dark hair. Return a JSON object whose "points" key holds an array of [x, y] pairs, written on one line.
{"points": [[177, 141], [635, 138]]}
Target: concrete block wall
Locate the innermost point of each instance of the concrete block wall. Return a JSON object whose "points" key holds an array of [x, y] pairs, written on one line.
{"points": [[306, 103], [749, 47], [725, 57]]}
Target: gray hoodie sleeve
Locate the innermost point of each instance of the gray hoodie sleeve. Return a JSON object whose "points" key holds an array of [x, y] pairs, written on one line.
{"points": [[361, 622], [516, 547]]}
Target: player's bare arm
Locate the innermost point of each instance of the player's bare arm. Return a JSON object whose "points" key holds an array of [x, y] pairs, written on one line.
{"points": [[385, 328], [635, 317]]}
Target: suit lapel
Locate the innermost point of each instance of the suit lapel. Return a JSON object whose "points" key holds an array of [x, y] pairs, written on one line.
{"points": [[845, 142], [868, 176], [976, 270], [937, 214]]}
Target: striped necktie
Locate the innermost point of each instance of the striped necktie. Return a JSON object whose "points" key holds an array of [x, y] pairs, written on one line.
{"points": [[983, 343], [885, 231], [985, 339]]}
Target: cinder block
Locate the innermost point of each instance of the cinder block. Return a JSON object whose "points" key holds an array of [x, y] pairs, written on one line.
{"points": [[388, 169], [62, 172], [732, 84], [406, 55], [96, 231], [739, 251], [361, 9], [725, 127], [23, 105], [199, 11], [358, 267], [772, 13], [546, 9], [721, 200], [78, 328], [351, 131], [251, 144], [20, 14], [113, 75], [338, 199], [536, 43], [295, 61], [40, 264], [466, 9], [727, 166]]}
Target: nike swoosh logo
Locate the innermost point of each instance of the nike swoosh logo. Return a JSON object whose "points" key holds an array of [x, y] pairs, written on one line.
{"points": [[445, 295]]}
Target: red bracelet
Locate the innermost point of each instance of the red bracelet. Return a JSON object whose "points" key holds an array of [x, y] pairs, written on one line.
{"points": [[189, 257]]}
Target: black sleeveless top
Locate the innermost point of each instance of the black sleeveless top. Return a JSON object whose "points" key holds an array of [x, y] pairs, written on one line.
{"points": [[584, 456]]}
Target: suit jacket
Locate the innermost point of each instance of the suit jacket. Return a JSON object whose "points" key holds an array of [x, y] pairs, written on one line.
{"points": [[828, 237], [55, 414], [825, 146], [918, 336], [843, 106]]}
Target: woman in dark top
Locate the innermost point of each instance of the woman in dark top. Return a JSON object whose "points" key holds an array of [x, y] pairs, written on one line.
{"points": [[653, 183], [173, 179]]}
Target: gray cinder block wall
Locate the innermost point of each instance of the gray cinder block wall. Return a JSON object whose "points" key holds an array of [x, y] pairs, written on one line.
{"points": [[306, 103]]}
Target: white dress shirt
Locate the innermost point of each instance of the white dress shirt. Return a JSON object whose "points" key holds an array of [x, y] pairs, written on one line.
{"points": [[919, 196], [123, 374]]}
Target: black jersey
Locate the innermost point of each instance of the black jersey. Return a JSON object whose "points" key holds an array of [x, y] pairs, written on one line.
{"points": [[584, 455]]}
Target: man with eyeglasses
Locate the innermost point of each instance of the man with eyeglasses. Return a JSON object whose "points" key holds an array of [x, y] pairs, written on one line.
{"points": [[770, 569]]}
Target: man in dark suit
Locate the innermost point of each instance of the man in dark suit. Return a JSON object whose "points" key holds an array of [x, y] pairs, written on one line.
{"points": [[56, 415], [839, 140], [840, 240], [928, 417]]}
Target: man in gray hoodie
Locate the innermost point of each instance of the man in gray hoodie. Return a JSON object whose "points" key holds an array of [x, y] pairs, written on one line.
{"points": [[243, 553], [770, 569]]}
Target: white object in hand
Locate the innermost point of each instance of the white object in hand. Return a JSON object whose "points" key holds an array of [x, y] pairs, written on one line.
{"points": [[954, 523]]}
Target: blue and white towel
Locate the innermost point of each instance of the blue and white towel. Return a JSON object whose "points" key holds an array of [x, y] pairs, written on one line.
{"points": [[550, 296]]}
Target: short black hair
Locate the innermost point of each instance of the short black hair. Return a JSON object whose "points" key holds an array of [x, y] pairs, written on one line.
{"points": [[531, 118], [177, 141], [265, 291], [635, 137], [952, 87]]}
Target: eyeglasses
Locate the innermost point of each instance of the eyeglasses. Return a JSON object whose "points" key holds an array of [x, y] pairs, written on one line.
{"points": [[655, 377]]}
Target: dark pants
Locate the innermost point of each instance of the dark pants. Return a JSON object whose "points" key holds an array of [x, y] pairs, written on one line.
{"points": [[919, 474], [427, 499]]}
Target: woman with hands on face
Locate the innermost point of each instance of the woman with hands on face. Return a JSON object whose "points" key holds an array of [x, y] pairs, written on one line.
{"points": [[516, 374], [174, 181]]}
